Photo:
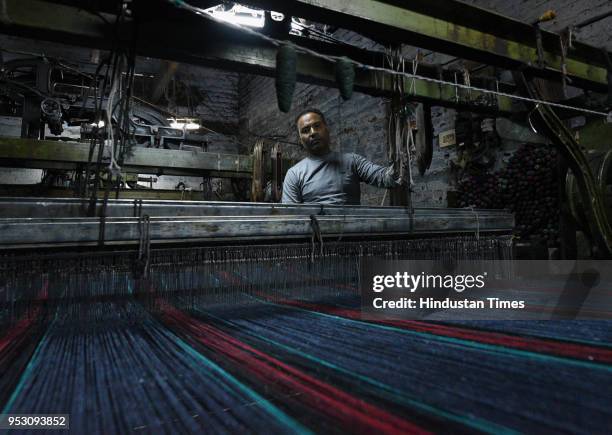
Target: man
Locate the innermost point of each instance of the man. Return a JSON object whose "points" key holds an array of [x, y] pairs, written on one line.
{"points": [[329, 177]]}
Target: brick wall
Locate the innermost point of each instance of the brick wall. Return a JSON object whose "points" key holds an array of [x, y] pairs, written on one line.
{"points": [[217, 102]]}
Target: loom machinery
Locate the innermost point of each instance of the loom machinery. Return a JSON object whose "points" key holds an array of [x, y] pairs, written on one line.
{"points": [[54, 105], [134, 314], [57, 101]]}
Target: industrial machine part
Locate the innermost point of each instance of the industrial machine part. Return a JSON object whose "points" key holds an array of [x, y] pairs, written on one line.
{"points": [[69, 155], [67, 98], [52, 113], [592, 195], [53, 222], [72, 158], [600, 163]]}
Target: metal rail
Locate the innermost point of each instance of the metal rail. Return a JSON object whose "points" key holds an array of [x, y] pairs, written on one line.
{"points": [[231, 51], [75, 207], [45, 222], [67, 155], [454, 28]]}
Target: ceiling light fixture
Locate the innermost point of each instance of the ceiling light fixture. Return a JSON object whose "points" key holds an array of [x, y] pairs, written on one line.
{"points": [[238, 14]]}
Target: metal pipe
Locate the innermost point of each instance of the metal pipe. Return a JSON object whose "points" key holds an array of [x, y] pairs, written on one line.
{"points": [[73, 208], [233, 221], [83, 231]]}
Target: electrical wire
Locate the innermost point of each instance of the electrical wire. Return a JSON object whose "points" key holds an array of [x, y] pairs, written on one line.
{"points": [[114, 67], [276, 42]]}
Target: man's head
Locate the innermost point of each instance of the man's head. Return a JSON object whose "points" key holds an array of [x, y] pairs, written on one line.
{"points": [[313, 132]]}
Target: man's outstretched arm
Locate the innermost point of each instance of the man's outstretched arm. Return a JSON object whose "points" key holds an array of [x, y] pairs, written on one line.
{"points": [[373, 174], [292, 193]]}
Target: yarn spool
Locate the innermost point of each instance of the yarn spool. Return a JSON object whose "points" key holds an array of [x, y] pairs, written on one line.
{"points": [[286, 67], [345, 77]]}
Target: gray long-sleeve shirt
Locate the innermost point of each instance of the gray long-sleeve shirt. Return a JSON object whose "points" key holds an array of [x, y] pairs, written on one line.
{"points": [[332, 179]]}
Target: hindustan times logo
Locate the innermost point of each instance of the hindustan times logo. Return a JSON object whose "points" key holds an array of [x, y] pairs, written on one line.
{"points": [[411, 282]]}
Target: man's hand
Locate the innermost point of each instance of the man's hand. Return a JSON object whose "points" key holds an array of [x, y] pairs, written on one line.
{"points": [[392, 178]]}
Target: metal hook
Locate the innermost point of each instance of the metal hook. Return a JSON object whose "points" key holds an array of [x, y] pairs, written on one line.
{"points": [[530, 121]]}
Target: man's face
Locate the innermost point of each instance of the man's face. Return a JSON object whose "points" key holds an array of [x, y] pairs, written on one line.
{"points": [[314, 135]]}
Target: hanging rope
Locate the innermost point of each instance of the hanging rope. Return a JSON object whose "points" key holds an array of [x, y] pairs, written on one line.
{"points": [[410, 149], [467, 82], [415, 66], [144, 246]]}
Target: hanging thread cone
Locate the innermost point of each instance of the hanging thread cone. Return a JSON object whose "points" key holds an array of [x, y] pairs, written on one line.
{"points": [[286, 67], [345, 76]]}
